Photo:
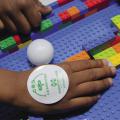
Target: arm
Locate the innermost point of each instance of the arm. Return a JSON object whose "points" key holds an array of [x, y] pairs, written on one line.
{"points": [[88, 79]]}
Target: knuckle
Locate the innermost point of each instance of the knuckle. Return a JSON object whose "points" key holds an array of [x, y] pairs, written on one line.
{"points": [[92, 74], [98, 63], [93, 88], [88, 63]]}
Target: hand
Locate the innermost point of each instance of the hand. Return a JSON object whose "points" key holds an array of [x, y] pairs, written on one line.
{"points": [[21, 15], [88, 79]]}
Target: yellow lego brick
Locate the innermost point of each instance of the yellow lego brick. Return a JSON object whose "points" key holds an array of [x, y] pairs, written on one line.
{"points": [[115, 60], [116, 21], [105, 54], [24, 44], [79, 56]]}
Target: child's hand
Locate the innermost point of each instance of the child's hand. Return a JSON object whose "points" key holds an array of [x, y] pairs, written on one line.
{"points": [[21, 15], [87, 80]]}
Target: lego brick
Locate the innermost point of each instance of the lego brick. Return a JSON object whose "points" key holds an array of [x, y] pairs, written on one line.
{"points": [[91, 12], [105, 54], [65, 17], [116, 21], [100, 48], [83, 55], [116, 40], [63, 2], [96, 4], [74, 12], [17, 39], [24, 44], [24, 37], [115, 60], [46, 25], [7, 44], [63, 25], [116, 47]]}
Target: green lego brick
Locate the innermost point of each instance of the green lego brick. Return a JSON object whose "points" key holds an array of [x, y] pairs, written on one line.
{"points": [[105, 54], [46, 25], [100, 48], [7, 44], [118, 33], [63, 25], [3, 45], [116, 21]]}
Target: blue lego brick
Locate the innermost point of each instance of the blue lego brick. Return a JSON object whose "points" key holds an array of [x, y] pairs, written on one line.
{"points": [[70, 41]]}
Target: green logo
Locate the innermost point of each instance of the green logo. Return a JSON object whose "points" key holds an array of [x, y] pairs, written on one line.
{"points": [[53, 82]]}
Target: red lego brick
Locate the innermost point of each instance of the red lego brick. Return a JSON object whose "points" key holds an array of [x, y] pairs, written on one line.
{"points": [[96, 3], [116, 40], [17, 39], [63, 2], [65, 17]]}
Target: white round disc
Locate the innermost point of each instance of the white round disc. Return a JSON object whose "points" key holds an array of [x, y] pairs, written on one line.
{"points": [[48, 84]]}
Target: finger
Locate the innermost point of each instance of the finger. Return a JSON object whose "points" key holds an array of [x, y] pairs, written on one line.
{"points": [[87, 64], [9, 24], [1, 25], [43, 9], [82, 102], [91, 88], [20, 21], [33, 16], [93, 74]]}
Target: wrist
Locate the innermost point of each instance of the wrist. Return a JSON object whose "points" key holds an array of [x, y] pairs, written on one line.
{"points": [[8, 80]]}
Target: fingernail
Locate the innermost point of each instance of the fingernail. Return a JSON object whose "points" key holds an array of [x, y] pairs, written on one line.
{"points": [[50, 8], [110, 64], [99, 96], [113, 69], [105, 62], [110, 81]]}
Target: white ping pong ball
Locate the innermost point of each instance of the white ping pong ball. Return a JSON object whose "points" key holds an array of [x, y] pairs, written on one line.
{"points": [[40, 52]]}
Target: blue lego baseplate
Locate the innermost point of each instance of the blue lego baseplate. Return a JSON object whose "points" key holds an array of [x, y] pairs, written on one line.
{"points": [[88, 33]]}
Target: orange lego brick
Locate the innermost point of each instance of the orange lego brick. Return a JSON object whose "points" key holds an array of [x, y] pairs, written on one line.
{"points": [[117, 47], [79, 56], [74, 12]]}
